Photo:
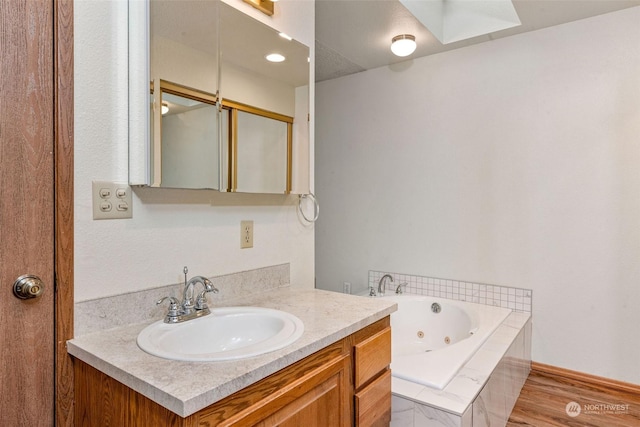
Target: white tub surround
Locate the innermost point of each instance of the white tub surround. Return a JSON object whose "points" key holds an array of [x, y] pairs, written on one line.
{"points": [[174, 385], [430, 348], [481, 394], [489, 368]]}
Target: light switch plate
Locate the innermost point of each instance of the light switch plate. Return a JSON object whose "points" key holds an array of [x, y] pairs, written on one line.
{"points": [[111, 200]]}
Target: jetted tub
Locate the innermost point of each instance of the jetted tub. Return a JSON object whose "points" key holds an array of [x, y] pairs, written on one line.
{"points": [[433, 338]]}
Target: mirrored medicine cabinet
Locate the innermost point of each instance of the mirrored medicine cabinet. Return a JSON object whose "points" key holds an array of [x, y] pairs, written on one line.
{"points": [[206, 109]]}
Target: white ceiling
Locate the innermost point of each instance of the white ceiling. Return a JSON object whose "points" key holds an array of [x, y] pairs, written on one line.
{"points": [[355, 35]]}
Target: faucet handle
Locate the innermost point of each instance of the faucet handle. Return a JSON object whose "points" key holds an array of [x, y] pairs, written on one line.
{"points": [[372, 291], [399, 288], [201, 300], [173, 302], [174, 311]]}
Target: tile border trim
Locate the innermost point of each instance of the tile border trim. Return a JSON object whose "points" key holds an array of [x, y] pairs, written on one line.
{"points": [[516, 299]]}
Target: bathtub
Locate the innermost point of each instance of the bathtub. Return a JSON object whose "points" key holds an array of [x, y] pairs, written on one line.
{"points": [[429, 346]]}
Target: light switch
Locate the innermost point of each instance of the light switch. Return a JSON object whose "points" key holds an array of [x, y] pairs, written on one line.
{"points": [[111, 200]]}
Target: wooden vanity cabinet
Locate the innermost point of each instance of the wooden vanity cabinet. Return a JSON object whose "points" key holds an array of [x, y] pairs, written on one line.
{"points": [[372, 378], [347, 383]]}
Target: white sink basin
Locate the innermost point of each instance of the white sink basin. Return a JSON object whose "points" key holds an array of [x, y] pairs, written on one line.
{"points": [[227, 333]]}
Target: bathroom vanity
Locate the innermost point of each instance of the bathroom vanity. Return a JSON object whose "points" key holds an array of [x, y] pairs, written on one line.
{"points": [[336, 374]]}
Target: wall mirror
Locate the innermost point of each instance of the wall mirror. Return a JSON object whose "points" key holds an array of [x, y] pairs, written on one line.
{"points": [[219, 115]]}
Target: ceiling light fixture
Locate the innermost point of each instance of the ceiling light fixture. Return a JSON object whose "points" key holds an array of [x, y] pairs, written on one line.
{"points": [[165, 108], [403, 45], [275, 57], [285, 36]]}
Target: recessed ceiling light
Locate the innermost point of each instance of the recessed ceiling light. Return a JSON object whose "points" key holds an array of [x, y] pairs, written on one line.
{"points": [[275, 57], [165, 108], [403, 45], [285, 36]]}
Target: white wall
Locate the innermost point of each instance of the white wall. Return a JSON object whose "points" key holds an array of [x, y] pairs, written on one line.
{"points": [[514, 162], [169, 228]]}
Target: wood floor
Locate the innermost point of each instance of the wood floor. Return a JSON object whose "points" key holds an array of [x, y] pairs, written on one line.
{"points": [[544, 399]]}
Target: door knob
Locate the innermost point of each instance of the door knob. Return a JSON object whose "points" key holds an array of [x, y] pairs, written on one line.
{"points": [[28, 286]]}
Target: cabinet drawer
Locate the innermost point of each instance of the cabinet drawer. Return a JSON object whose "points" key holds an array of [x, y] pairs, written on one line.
{"points": [[373, 403], [372, 356]]}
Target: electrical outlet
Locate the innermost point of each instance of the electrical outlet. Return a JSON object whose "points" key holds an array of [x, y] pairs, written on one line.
{"points": [[111, 200], [246, 234], [346, 287]]}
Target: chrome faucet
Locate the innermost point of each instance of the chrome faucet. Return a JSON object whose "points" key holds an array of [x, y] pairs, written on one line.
{"points": [[201, 300], [382, 282], [187, 310]]}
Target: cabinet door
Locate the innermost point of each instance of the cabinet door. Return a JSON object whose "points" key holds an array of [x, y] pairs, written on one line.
{"points": [[373, 403], [320, 398], [372, 356], [320, 406]]}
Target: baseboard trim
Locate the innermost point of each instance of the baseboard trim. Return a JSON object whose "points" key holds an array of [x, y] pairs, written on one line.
{"points": [[586, 378]]}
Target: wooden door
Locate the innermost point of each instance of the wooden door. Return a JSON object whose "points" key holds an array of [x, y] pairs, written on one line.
{"points": [[26, 210]]}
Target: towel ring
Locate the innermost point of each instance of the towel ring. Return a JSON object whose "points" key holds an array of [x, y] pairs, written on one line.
{"points": [[316, 207]]}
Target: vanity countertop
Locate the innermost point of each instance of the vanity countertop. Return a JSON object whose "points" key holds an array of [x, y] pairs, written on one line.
{"points": [[187, 387]]}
